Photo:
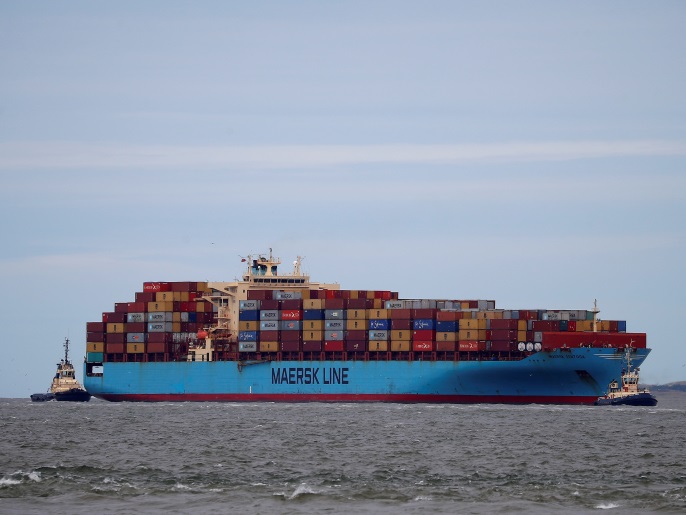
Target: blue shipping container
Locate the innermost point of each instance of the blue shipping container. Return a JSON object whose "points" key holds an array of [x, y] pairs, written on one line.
{"points": [[423, 323], [381, 324], [247, 336], [249, 315], [446, 326], [313, 314]]}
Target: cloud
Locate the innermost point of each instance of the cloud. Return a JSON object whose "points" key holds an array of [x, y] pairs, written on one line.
{"points": [[73, 155]]}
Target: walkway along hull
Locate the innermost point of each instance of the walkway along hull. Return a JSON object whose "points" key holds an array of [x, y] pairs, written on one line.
{"points": [[569, 376]]}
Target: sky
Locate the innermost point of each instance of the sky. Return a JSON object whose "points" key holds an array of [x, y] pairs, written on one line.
{"points": [[529, 152]]}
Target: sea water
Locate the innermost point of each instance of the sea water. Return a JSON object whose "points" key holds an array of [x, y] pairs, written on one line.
{"points": [[101, 457]]}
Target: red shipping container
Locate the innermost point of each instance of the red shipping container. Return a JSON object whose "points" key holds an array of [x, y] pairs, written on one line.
{"points": [[136, 327], [571, 325], [290, 346], [114, 348], [292, 314], [333, 294], [334, 346], [503, 334], [503, 346], [446, 316], [400, 314], [155, 287], [355, 345], [160, 337], [121, 307], [312, 346], [95, 336], [332, 303], [445, 346], [356, 335], [291, 304], [546, 325], [114, 318], [402, 324], [156, 347], [559, 340], [356, 304], [137, 307], [183, 286], [471, 345], [193, 295], [614, 326], [634, 340], [269, 304], [424, 334], [145, 296], [95, 327], [260, 295], [423, 313], [316, 294], [345, 294], [423, 346], [504, 324], [114, 338], [289, 336], [272, 336]]}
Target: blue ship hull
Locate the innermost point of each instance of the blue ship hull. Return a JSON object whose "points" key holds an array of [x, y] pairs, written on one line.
{"points": [[574, 376]]}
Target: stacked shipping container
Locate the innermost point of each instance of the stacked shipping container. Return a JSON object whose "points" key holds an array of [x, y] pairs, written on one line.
{"points": [[165, 317], [352, 323], [160, 322]]}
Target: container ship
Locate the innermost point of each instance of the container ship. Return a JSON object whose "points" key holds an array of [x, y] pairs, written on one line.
{"points": [[282, 338]]}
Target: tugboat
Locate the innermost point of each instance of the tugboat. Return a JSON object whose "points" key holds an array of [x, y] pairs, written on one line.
{"points": [[64, 385], [628, 394]]}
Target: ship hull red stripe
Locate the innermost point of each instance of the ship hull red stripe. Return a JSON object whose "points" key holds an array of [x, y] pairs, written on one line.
{"points": [[404, 398]]}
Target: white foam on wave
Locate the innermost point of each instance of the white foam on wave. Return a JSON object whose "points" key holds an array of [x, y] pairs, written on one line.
{"points": [[302, 489], [12, 479], [608, 506], [8, 481]]}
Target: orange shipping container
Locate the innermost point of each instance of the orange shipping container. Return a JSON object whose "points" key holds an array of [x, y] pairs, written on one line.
{"points": [[164, 296], [269, 346], [400, 345], [95, 347], [446, 336], [378, 346], [313, 304], [135, 348], [401, 335], [471, 334], [156, 307], [313, 325], [116, 328], [377, 314], [357, 314], [357, 325]]}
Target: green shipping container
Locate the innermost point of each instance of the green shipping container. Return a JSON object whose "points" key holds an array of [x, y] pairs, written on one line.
{"points": [[94, 357]]}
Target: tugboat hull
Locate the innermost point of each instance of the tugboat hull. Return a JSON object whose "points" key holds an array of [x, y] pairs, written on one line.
{"points": [[639, 399], [73, 395], [42, 397]]}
